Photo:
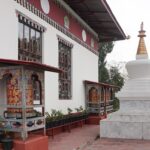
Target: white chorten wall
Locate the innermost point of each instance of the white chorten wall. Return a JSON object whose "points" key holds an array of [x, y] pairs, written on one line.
{"points": [[132, 121]]}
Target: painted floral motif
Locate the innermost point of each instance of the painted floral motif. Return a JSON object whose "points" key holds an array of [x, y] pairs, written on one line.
{"points": [[13, 92], [93, 95]]}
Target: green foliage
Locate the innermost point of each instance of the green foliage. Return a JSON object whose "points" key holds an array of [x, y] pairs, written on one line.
{"points": [[48, 117], [115, 77], [60, 115], [103, 74], [77, 109], [55, 115], [118, 80], [104, 49], [111, 76], [37, 113], [81, 108], [69, 110], [116, 104]]}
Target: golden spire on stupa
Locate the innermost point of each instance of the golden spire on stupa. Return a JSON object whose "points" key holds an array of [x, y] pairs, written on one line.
{"points": [[141, 51]]}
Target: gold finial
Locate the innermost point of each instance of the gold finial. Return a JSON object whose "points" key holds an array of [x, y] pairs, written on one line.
{"points": [[142, 32], [141, 51], [142, 26]]}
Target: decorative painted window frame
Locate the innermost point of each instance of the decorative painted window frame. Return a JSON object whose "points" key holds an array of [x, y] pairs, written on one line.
{"points": [[62, 29], [70, 45], [30, 21], [25, 20], [61, 39]]}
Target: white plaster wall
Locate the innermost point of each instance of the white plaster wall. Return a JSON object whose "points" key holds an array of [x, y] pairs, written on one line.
{"points": [[8, 30], [84, 62], [84, 67]]}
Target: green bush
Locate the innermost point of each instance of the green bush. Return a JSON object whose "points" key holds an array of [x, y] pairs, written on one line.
{"points": [[116, 104]]}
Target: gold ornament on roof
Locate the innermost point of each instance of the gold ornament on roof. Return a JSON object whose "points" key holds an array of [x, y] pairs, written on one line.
{"points": [[142, 26], [141, 47]]}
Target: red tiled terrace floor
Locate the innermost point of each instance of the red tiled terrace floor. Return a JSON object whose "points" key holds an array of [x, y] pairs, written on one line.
{"points": [[85, 139], [77, 138]]}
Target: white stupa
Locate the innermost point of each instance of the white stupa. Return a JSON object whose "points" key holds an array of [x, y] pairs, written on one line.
{"points": [[132, 121]]}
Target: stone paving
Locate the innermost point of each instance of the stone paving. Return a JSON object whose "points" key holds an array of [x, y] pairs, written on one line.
{"points": [[118, 144], [75, 140], [86, 138]]}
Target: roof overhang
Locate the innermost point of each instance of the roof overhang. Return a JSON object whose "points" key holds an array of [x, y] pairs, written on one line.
{"points": [[43, 67], [98, 15], [101, 84]]}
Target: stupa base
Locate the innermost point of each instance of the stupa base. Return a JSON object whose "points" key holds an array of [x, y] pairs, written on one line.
{"points": [[126, 126]]}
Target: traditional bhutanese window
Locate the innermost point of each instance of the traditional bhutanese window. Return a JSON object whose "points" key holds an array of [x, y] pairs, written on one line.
{"points": [[65, 64], [29, 40]]}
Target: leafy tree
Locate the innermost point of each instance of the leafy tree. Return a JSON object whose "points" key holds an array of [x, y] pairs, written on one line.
{"points": [[103, 74], [116, 79], [112, 75], [104, 49]]}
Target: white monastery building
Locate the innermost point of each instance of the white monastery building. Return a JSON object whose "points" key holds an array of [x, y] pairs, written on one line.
{"points": [[64, 34]]}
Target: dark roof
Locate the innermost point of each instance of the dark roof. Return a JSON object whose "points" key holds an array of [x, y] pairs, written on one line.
{"points": [[29, 64], [98, 15], [100, 84]]}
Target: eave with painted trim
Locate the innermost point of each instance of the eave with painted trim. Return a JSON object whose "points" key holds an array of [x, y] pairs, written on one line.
{"points": [[43, 67], [98, 15]]}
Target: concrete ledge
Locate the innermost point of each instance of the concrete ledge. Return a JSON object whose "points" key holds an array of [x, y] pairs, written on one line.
{"points": [[125, 130]]}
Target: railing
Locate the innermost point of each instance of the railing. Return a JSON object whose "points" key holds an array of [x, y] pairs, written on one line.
{"points": [[99, 97]]}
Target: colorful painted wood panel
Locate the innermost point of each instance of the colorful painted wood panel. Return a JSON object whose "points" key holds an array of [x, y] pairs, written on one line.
{"points": [[93, 95]]}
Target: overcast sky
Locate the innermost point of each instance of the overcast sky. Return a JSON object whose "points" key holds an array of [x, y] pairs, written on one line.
{"points": [[130, 14]]}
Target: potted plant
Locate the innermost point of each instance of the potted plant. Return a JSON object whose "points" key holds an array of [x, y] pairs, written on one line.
{"points": [[69, 111], [60, 117], [70, 115], [1, 136], [80, 114], [7, 141], [1, 126], [49, 120], [86, 113], [52, 120]]}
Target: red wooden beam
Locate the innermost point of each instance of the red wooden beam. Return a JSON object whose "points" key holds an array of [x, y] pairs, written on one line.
{"points": [[100, 84], [40, 66]]}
